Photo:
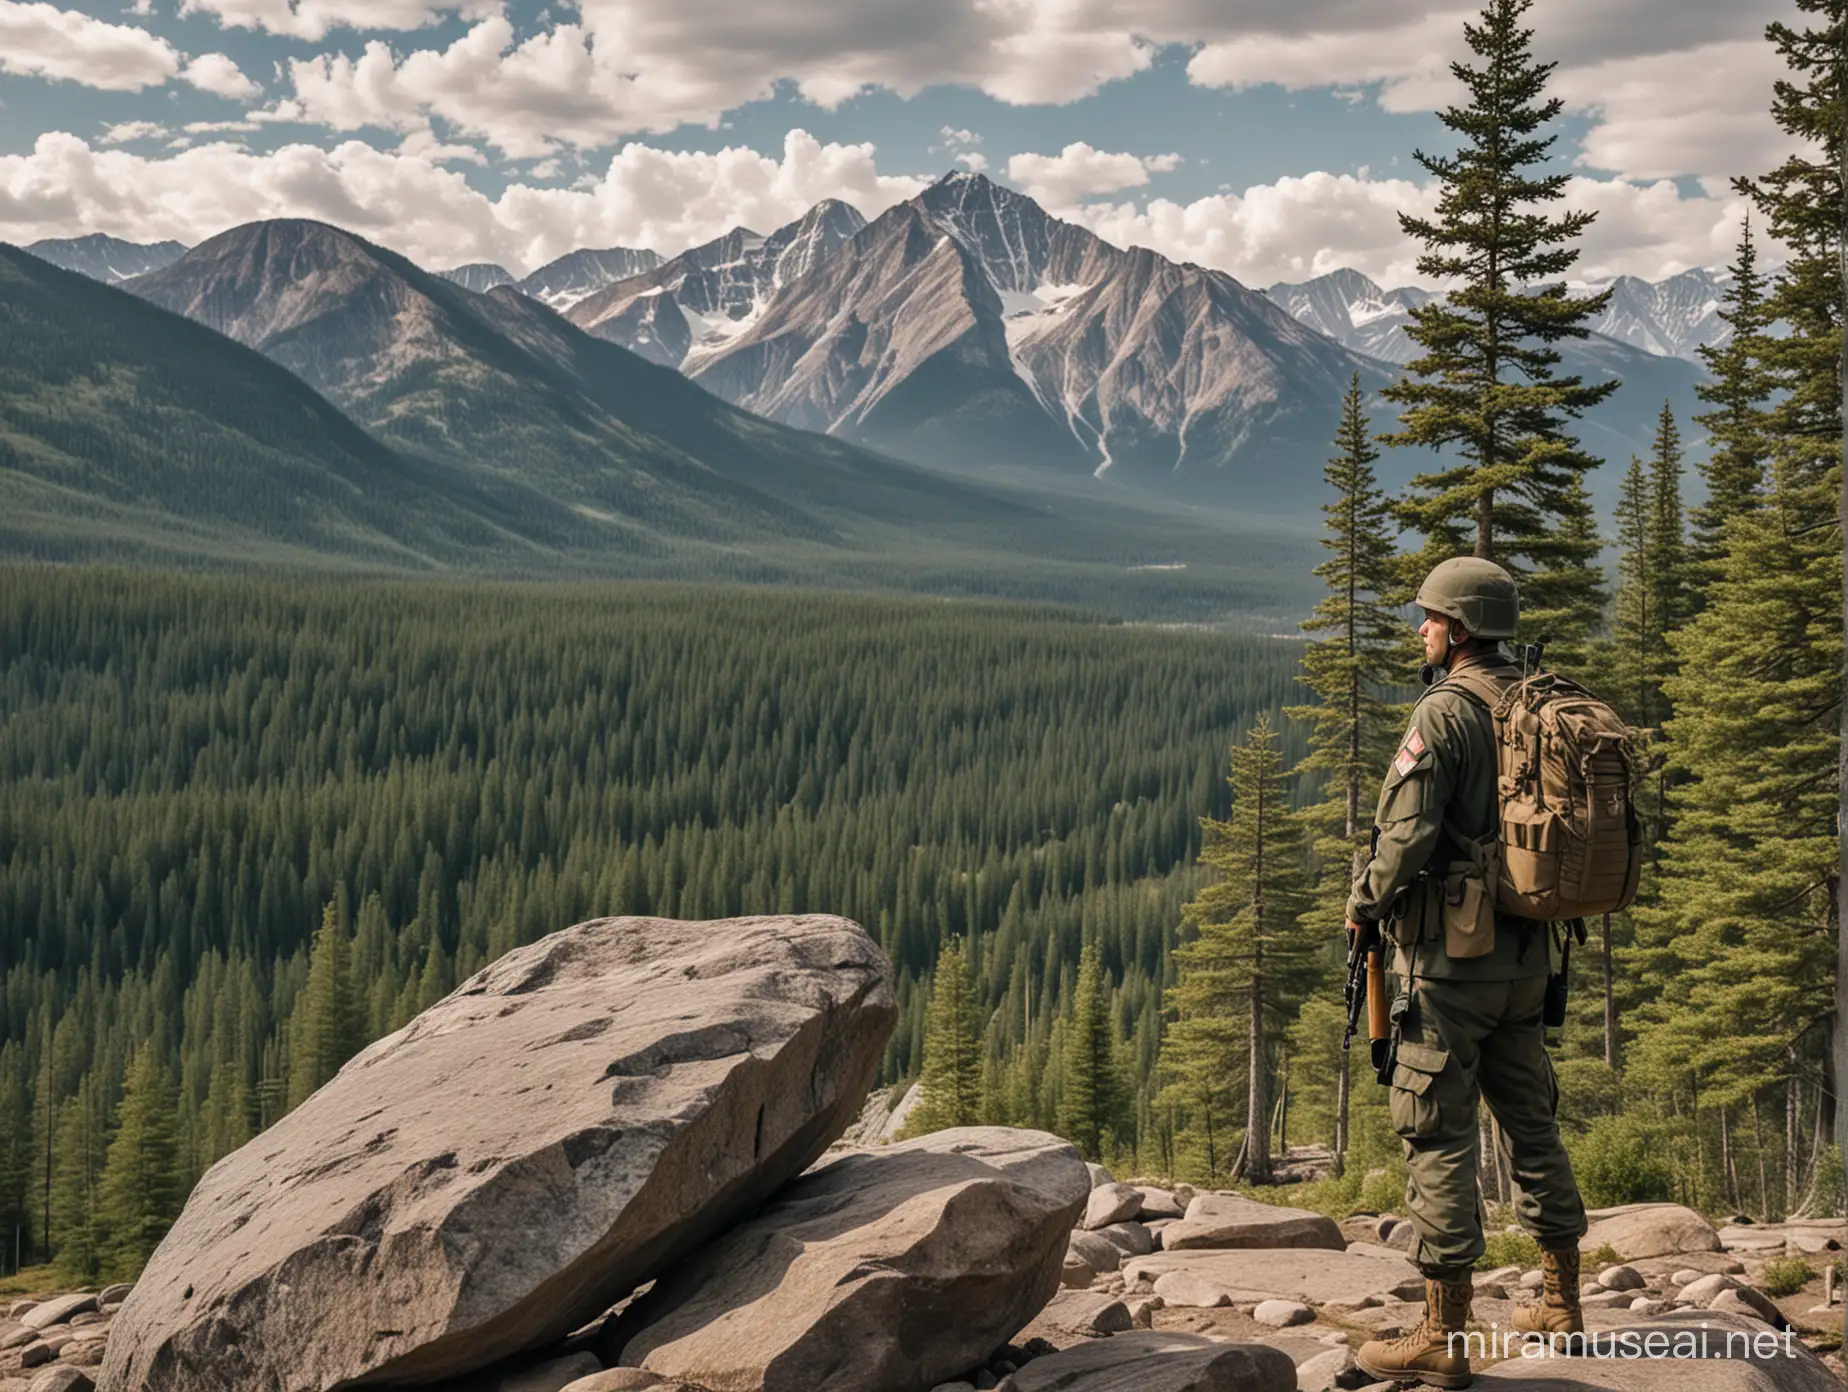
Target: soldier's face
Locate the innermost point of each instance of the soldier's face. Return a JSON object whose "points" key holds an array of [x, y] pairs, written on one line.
{"points": [[1435, 630]]}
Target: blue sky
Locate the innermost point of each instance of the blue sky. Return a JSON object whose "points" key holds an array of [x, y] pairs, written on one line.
{"points": [[1270, 137]]}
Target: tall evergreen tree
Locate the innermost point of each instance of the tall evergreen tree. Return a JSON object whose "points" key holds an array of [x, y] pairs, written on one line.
{"points": [[953, 1049], [324, 1031], [1636, 627], [1805, 202], [1367, 650], [1485, 383], [1734, 468], [16, 1166], [141, 1190], [1252, 945], [1668, 526], [1092, 1098], [76, 1214]]}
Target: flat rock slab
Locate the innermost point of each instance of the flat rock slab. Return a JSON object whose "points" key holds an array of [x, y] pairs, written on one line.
{"points": [[886, 1271], [567, 1124], [58, 1310], [1649, 1230], [1292, 1273], [1087, 1313], [1228, 1220], [1150, 1362], [1755, 1360]]}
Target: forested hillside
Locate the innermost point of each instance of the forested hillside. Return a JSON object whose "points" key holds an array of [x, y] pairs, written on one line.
{"points": [[193, 771]]}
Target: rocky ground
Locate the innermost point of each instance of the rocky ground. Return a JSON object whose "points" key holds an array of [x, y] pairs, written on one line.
{"points": [[613, 1161]]}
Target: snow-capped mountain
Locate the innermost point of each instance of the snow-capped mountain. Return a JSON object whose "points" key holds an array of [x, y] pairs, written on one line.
{"points": [[580, 274], [108, 259], [691, 306], [967, 326], [1671, 318], [479, 276]]}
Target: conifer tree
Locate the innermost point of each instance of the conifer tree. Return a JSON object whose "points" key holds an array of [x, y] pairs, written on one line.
{"points": [[1092, 1099], [324, 1031], [1485, 383], [15, 1156], [1734, 468], [141, 1190], [952, 1082], [1252, 952], [1668, 527], [1368, 648], [1636, 626], [76, 1214], [1805, 203]]}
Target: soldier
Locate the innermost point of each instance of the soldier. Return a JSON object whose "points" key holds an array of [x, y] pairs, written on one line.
{"points": [[1469, 986]]}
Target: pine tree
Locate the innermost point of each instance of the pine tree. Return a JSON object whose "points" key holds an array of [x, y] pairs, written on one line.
{"points": [[76, 1214], [16, 1166], [1805, 202], [1485, 384], [1251, 954], [1369, 648], [324, 1030], [1092, 1098], [1668, 528], [952, 1083], [141, 1190], [1636, 626], [1734, 468]]}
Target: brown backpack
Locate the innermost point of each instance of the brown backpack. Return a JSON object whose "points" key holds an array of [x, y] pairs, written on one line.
{"points": [[1571, 844]]}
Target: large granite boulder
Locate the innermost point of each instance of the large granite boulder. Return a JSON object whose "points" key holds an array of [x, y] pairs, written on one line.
{"points": [[1308, 1274], [1150, 1362], [1649, 1230], [890, 1270], [1664, 1353], [570, 1122], [1229, 1220]]}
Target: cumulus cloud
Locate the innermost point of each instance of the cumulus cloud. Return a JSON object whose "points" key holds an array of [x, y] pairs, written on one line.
{"points": [[217, 74], [648, 197], [41, 40], [312, 19], [1299, 228], [1079, 171], [127, 132]]}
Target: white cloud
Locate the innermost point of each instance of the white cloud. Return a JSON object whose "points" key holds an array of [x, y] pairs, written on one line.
{"points": [[973, 160], [125, 132], [1298, 228], [663, 199], [312, 19], [220, 127], [1079, 171], [217, 74], [40, 40]]}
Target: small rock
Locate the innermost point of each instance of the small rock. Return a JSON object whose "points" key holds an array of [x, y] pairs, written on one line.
{"points": [[1593, 1287], [18, 1308], [1335, 1340], [1142, 1311], [1621, 1278], [1282, 1314], [1132, 1239], [1685, 1276], [1533, 1280], [1607, 1300], [62, 1380], [1811, 1243], [1647, 1305], [1387, 1222], [1184, 1288], [1159, 1362], [1403, 1236], [1649, 1230], [1097, 1252], [1220, 1221], [1328, 1371], [1112, 1203], [1703, 1289], [1099, 1175], [1490, 1290], [1503, 1274], [1161, 1203], [17, 1338], [116, 1294], [1077, 1273], [1743, 1300], [57, 1311], [34, 1355], [1087, 1313], [615, 1380], [87, 1317]]}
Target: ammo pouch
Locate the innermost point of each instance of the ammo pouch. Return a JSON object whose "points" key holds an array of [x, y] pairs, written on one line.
{"points": [[1453, 902]]}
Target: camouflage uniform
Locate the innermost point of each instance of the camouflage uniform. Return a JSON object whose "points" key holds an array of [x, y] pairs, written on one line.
{"points": [[1474, 1023]]}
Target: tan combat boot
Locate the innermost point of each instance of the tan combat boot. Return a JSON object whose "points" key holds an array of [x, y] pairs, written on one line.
{"points": [[1427, 1352], [1559, 1311]]}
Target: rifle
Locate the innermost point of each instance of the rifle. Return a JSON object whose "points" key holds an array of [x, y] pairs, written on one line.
{"points": [[1366, 987]]}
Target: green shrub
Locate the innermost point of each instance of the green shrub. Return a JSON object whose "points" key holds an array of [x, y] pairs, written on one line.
{"points": [[1605, 1255], [1623, 1160], [1383, 1192], [1786, 1276], [1508, 1249]]}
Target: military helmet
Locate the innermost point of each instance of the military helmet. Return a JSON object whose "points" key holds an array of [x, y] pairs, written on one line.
{"points": [[1478, 594]]}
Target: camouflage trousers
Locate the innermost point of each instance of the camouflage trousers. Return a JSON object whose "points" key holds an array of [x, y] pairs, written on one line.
{"points": [[1461, 1040]]}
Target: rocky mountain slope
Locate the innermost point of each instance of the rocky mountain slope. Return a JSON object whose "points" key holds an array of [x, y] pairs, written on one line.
{"points": [[967, 326], [479, 276], [127, 432], [561, 283], [108, 259], [693, 305]]}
